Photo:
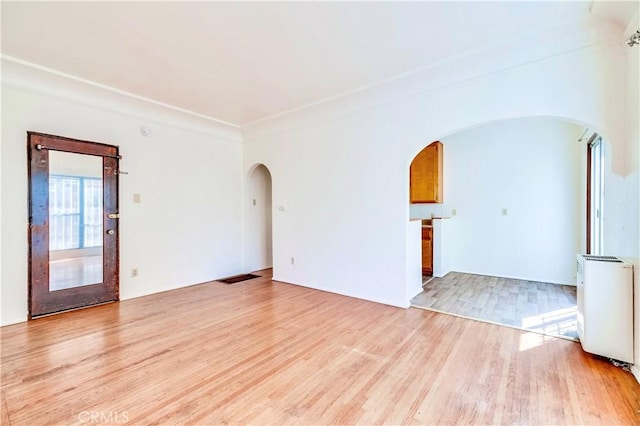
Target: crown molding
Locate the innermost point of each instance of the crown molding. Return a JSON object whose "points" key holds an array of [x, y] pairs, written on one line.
{"points": [[34, 78], [577, 36]]}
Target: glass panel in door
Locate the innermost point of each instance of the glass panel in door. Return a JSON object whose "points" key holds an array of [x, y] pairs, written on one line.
{"points": [[75, 220]]}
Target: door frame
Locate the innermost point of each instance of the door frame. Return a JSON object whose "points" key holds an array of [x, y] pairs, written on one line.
{"points": [[595, 147], [41, 301], [258, 226]]}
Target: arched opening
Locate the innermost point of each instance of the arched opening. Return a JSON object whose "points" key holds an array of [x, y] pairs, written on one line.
{"points": [[258, 220], [513, 208]]}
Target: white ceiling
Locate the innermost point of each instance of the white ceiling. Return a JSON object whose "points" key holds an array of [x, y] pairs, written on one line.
{"points": [[240, 62]]}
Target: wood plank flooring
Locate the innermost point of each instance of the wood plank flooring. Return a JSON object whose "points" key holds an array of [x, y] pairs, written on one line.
{"points": [[543, 307], [264, 352]]}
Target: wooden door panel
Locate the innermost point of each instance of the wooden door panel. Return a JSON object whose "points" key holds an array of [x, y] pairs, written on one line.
{"points": [[38, 226], [111, 246], [42, 299]]}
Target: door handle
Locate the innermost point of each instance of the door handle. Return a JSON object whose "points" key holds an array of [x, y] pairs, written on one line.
{"points": [[110, 231], [113, 215]]}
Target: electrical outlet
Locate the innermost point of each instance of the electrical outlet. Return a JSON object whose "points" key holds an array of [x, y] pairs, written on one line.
{"points": [[504, 212], [254, 201], [293, 261], [134, 272], [136, 198]]}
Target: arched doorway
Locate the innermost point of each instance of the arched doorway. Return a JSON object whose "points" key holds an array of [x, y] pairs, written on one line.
{"points": [[258, 220], [514, 199], [511, 222]]}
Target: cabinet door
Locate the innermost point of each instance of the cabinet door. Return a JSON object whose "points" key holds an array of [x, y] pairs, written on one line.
{"points": [[427, 251], [426, 175]]}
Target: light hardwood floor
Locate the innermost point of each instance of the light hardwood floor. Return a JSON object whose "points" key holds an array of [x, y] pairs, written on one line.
{"points": [[264, 352]]}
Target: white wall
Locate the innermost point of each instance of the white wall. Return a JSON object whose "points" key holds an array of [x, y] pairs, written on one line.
{"points": [[186, 230], [441, 247], [258, 234], [622, 232], [531, 167], [331, 200], [427, 211], [1, 210], [340, 169], [414, 258]]}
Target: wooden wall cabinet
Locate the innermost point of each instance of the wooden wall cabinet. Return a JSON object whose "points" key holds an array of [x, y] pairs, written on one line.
{"points": [[426, 175], [427, 250]]}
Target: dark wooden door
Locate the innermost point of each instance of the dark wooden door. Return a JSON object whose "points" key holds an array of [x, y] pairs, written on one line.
{"points": [[73, 223]]}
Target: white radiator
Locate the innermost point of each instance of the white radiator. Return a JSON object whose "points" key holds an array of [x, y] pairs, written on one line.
{"points": [[605, 306]]}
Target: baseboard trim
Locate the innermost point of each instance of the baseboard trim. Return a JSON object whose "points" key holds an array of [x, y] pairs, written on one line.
{"points": [[332, 291]]}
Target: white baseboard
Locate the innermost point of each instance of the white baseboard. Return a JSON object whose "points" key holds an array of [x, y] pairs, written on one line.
{"points": [[635, 370]]}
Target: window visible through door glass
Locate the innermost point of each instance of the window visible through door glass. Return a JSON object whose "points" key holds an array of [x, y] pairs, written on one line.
{"points": [[75, 220]]}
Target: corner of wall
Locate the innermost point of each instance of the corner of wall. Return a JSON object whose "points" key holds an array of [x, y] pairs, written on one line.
{"points": [[413, 260], [192, 161], [635, 370]]}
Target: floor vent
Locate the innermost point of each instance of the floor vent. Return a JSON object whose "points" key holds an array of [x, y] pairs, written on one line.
{"points": [[238, 278]]}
